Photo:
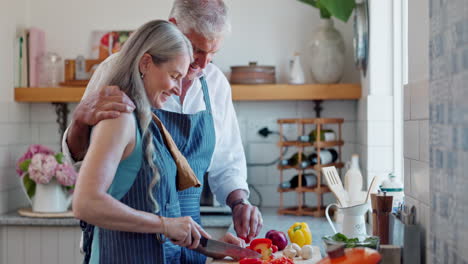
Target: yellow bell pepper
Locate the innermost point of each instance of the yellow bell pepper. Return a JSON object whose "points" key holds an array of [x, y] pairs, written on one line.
{"points": [[299, 233]]}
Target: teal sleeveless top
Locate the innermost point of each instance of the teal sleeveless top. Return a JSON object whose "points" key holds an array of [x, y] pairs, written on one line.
{"points": [[125, 176]]}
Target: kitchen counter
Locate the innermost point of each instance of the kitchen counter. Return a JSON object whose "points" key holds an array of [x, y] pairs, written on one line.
{"points": [[14, 219]]}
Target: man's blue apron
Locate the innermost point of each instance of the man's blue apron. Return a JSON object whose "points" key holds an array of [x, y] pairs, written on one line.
{"points": [[194, 135]]}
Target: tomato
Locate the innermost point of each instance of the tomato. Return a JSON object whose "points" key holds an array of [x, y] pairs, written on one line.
{"points": [[251, 261], [282, 260]]}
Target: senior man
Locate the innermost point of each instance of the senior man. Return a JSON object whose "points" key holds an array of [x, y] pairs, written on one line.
{"points": [[203, 108]]}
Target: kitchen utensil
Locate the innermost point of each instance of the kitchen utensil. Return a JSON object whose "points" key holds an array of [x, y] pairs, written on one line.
{"points": [[334, 183], [371, 187], [354, 224], [252, 74], [218, 249], [384, 209]]}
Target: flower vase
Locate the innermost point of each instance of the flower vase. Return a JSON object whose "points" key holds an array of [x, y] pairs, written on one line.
{"points": [[51, 198], [327, 50]]}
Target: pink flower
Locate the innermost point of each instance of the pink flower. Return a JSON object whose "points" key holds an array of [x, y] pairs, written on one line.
{"points": [[42, 168], [33, 149], [66, 174]]}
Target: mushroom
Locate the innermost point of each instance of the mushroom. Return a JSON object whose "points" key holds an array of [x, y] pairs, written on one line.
{"points": [[289, 252], [307, 252], [297, 248]]}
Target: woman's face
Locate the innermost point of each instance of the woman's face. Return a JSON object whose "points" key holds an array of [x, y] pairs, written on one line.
{"points": [[162, 81]]}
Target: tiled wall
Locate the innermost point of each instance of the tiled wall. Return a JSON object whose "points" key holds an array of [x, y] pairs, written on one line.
{"points": [[416, 118], [448, 128], [253, 116]]}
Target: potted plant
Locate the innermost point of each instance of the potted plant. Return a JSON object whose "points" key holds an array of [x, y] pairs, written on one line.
{"points": [[327, 46], [47, 179]]}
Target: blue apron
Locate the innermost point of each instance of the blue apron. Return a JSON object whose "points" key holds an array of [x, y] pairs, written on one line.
{"points": [[195, 137]]}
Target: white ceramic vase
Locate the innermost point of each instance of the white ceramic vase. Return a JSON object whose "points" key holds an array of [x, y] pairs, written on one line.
{"points": [[51, 198], [327, 51]]}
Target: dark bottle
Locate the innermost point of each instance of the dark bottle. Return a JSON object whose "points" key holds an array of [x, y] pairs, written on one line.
{"points": [[293, 160], [327, 156], [308, 180]]}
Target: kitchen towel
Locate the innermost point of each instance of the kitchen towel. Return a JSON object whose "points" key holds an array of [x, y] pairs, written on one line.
{"points": [[186, 178]]}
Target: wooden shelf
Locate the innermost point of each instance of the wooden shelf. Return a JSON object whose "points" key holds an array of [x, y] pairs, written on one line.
{"points": [[311, 121], [316, 167], [270, 92], [305, 210], [321, 144], [322, 189]]}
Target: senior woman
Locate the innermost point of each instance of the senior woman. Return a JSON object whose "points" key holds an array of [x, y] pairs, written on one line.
{"points": [[128, 170]]}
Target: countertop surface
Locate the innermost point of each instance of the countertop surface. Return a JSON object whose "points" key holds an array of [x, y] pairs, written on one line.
{"points": [[13, 218], [271, 220]]}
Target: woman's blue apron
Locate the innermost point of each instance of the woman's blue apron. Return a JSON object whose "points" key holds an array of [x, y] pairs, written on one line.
{"points": [[195, 137]]}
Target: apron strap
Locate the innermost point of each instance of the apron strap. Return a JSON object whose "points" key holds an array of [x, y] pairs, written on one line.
{"points": [[206, 95]]}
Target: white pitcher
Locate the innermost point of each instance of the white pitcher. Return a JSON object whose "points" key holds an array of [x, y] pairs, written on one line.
{"points": [[51, 198], [354, 224]]}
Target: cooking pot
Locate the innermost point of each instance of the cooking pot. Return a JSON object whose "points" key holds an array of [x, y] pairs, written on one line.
{"points": [[253, 74]]}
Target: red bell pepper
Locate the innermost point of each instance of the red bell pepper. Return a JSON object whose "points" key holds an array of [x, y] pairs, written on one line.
{"points": [[250, 261]]}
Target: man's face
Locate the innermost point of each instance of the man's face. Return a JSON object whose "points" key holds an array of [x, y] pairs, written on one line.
{"points": [[203, 51]]}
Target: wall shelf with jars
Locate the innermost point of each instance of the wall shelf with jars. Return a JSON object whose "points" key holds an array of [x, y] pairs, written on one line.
{"points": [[319, 142]]}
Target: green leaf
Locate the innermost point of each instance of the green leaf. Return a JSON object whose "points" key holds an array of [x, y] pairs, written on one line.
{"points": [[59, 157], [309, 2], [341, 9], [25, 165], [29, 185], [324, 14]]}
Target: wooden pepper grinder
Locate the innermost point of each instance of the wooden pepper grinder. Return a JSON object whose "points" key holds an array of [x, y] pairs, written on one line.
{"points": [[384, 209], [375, 230]]}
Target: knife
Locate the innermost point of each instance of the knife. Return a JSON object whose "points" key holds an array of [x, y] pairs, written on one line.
{"points": [[216, 249]]}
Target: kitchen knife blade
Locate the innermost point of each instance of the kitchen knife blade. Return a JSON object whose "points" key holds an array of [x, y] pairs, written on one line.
{"points": [[218, 249]]}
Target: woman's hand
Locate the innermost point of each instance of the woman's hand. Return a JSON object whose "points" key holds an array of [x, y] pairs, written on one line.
{"points": [[184, 232]]}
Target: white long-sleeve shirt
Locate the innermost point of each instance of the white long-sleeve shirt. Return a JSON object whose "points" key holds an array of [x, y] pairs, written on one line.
{"points": [[227, 171]]}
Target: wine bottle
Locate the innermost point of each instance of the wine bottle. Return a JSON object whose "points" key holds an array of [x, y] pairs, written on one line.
{"points": [[327, 156], [325, 135], [293, 160], [308, 180]]}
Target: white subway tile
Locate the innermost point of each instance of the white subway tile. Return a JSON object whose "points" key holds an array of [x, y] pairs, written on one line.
{"points": [[305, 109], [424, 140], [347, 151], [5, 160], [43, 113], [419, 100], [418, 40], [49, 134], [407, 177], [362, 109], [380, 133], [380, 108], [252, 126], [258, 110], [8, 178], [3, 202], [346, 109], [4, 112], [262, 152], [420, 179], [349, 132], [362, 132], [257, 175], [17, 199], [407, 102], [35, 133], [411, 141], [380, 158], [19, 112]]}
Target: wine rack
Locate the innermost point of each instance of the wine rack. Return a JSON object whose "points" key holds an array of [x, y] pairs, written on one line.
{"points": [[318, 144]]}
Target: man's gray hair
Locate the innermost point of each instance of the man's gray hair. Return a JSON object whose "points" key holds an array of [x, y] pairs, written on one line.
{"points": [[206, 17]]}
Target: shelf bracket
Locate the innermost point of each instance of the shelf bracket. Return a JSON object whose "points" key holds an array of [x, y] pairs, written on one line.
{"points": [[61, 109], [318, 107]]}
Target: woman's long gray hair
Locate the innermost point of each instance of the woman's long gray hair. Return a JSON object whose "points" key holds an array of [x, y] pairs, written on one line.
{"points": [[163, 41]]}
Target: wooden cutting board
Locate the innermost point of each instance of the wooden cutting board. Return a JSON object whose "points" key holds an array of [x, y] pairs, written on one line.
{"points": [[298, 260]]}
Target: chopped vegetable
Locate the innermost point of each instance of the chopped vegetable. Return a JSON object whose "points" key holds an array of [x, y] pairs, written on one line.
{"points": [[282, 260], [299, 233], [262, 246], [251, 261]]}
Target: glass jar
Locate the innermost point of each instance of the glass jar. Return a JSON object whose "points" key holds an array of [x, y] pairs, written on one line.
{"points": [[51, 69]]}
